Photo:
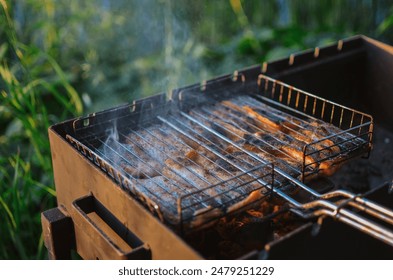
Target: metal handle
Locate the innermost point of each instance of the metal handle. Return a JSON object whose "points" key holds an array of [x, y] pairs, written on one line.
{"points": [[378, 212], [109, 238], [340, 212]]}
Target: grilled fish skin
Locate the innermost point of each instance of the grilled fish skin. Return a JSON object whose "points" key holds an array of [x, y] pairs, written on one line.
{"points": [[312, 133], [145, 152], [278, 144], [306, 130]]}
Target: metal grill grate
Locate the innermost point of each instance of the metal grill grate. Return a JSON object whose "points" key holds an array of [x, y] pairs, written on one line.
{"points": [[224, 152]]}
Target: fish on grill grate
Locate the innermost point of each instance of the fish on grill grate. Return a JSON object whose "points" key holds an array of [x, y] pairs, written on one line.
{"points": [[327, 145], [167, 172], [193, 165], [268, 145]]}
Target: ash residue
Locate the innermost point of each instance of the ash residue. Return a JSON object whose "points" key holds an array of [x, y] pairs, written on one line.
{"points": [[236, 235], [360, 175]]}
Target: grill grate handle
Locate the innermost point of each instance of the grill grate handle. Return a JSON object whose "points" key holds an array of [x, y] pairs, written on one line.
{"points": [[381, 216]]}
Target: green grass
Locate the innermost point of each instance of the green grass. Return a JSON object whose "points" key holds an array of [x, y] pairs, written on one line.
{"points": [[22, 199], [34, 93]]}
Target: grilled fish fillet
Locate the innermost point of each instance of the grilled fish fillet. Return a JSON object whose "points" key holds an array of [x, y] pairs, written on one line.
{"points": [[203, 161], [302, 132]]}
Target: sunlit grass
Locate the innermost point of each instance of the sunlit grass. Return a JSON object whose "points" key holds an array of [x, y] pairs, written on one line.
{"points": [[34, 93], [22, 198], [26, 187]]}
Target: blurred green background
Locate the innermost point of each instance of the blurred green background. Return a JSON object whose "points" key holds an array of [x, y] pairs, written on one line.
{"points": [[65, 58]]}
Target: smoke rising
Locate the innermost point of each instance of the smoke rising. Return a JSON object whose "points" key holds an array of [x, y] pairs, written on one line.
{"points": [[157, 52]]}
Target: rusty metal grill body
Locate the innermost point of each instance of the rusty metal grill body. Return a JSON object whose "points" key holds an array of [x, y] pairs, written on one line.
{"points": [[84, 169]]}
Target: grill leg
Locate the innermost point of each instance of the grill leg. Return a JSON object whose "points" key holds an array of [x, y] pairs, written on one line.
{"points": [[58, 231]]}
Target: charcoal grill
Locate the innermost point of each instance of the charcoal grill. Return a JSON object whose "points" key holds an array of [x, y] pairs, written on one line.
{"points": [[106, 212]]}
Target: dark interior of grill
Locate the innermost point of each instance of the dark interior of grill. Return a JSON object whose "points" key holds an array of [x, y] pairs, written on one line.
{"points": [[356, 75]]}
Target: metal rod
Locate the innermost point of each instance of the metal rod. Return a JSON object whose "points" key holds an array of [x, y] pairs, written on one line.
{"points": [[280, 193], [191, 161], [102, 163], [245, 131], [256, 157], [352, 223], [180, 174], [360, 222], [299, 122]]}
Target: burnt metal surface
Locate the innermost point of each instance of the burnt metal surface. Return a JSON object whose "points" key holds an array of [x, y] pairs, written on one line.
{"points": [[347, 72], [364, 174]]}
